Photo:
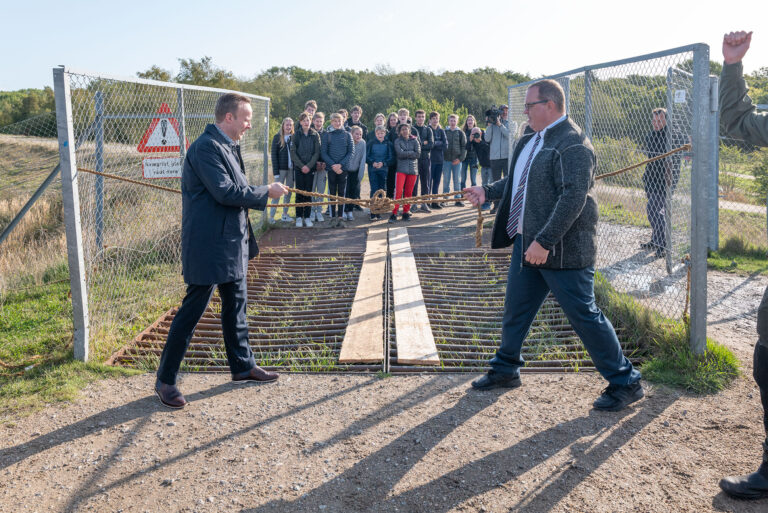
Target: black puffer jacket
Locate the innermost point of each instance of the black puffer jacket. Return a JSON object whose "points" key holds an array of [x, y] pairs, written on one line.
{"points": [[305, 149], [279, 155]]}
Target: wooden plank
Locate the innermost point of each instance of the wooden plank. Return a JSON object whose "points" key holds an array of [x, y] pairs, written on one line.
{"points": [[415, 341], [364, 338]]}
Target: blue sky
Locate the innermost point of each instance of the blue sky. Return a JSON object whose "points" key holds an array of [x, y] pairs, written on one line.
{"points": [[121, 38]]}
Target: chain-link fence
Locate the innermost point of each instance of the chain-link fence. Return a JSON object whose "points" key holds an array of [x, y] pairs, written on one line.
{"points": [[647, 226], [32, 242], [742, 188], [129, 241]]}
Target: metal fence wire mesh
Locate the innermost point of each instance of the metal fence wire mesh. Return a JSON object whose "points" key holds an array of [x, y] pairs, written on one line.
{"points": [[131, 234], [614, 106], [30, 156]]}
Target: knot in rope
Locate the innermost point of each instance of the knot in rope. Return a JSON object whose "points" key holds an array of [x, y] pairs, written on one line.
{"points": [[379, 203]]}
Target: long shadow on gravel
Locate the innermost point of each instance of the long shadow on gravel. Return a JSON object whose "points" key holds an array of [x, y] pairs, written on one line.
{"points": [[89, 489], [368, 485], [140, 408]]}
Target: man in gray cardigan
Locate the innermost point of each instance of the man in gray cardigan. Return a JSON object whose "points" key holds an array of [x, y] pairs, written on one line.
{"points": [[216, 243], [547, 210], [738, 116]]}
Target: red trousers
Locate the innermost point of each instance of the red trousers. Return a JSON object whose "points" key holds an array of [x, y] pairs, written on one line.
{"points": [[404, 182]]}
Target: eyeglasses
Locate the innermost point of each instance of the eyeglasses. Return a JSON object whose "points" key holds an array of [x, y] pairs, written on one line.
{"points": [[529, 105]]}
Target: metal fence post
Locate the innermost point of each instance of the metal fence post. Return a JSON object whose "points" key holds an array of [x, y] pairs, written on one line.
{"points": [[71, 207], [713, 199], [98, 101], [182, 123], [588, 104], [702, 170]]}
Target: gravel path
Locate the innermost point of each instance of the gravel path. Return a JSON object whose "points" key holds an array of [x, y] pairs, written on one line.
{"points": [[407, 443]]}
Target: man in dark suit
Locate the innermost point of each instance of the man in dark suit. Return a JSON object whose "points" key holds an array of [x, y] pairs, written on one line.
{"points": [[216, 243], [548, 212]]}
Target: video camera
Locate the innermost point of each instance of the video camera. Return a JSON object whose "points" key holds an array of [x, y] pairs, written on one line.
{"points": [[492, 115]]}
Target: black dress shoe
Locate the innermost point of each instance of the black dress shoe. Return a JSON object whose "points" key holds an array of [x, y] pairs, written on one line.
{"points": [[617, 397], [493, 379], [660, 253], [751, 486], [169, 395], [406, 216], [648, 245], [436, 206], [256, 375]]}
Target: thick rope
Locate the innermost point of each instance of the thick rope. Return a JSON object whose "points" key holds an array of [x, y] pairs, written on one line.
{"points": [[684, 147], [380, 204]]}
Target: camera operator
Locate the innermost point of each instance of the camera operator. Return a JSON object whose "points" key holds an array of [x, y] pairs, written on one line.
{"points": [[497, 136]]}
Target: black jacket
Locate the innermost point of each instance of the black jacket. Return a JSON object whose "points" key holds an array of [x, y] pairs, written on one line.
{"points": [[279, 155], [305, 149], [216, 236], [427, 139]]}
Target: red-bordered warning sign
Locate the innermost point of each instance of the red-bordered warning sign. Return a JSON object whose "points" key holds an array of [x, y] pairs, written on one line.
{"points": [[162, 134]]}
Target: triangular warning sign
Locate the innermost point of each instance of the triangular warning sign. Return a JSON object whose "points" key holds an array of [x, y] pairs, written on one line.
{"points": [[162, 134]]}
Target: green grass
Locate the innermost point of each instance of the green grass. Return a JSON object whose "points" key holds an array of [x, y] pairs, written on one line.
{"points": [[670, 361], [739, 257], [35, 348], [675, 365], [620, 214]]}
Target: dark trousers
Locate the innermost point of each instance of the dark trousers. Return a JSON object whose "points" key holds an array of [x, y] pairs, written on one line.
{"points": [[304, 182], [234, 296], [436, 170], [527, 288], [391, 170], [498, 168], [352, 190], [337, 184], [655, 210], [425, 177]]}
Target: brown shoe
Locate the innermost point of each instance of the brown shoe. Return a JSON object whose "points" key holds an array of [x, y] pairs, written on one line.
{"points": [[256, 375], [169, 395]]}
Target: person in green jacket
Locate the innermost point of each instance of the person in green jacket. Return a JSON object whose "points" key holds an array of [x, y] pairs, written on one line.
{"points": [[738, 116]]}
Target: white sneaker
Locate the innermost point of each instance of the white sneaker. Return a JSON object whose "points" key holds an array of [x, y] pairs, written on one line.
{"points": [[286, 218], [350, 217], [271, 220], [299, 222], [312, 216], [320, 217], [308, 223]]}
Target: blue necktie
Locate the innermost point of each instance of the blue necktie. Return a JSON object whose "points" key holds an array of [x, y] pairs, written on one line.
{"points": [[517, 203]]}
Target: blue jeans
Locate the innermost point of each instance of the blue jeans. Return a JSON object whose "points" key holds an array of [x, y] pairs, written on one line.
{"points": [[451, 169], [378, 178], [472, 173], [527, 288], [436, 168]]}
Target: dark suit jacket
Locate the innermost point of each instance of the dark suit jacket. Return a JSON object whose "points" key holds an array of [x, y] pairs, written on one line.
{"points": [[216, 235], [560, 208]]}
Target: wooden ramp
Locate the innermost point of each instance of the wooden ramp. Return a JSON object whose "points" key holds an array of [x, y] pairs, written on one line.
{"points": [[364, 338], [415, 342]]}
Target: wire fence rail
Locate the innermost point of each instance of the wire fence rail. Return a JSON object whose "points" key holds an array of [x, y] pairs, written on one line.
{"points": [[655, 215], [124, 241]]}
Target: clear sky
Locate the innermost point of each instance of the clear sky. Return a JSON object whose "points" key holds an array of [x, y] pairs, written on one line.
{"points": [[246, 37]]}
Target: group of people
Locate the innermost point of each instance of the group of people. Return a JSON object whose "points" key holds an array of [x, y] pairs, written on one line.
{"points": [[546, 209], [403, 156]]}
